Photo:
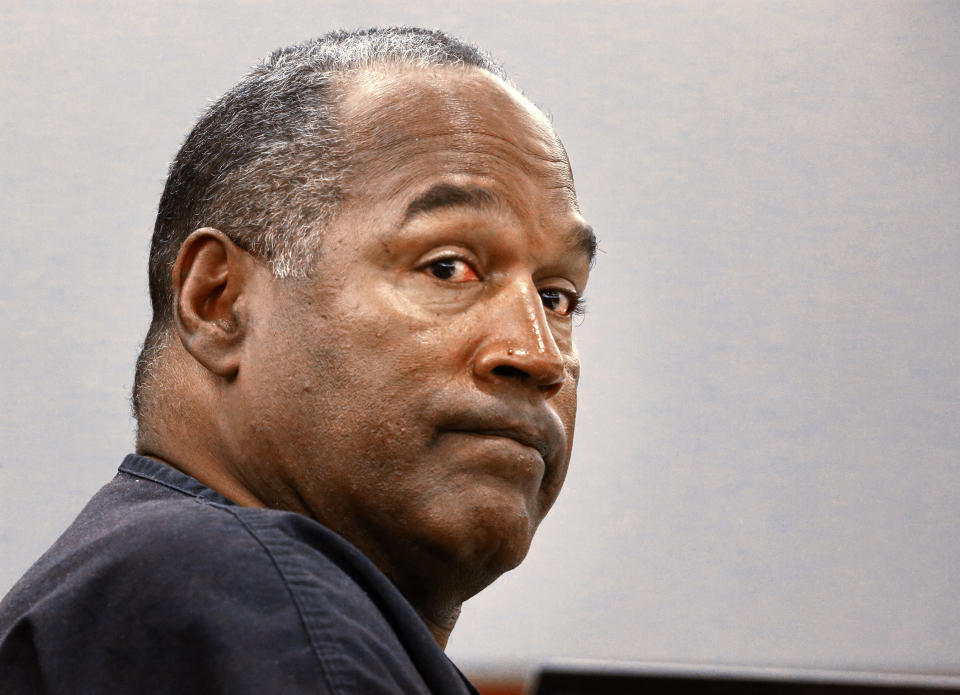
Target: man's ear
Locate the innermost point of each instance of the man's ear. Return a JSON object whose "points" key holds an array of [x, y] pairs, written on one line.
{"points": [[210, 276]]}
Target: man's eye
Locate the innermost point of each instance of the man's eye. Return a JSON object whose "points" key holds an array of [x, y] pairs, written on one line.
{"points": [[452, 269], [560, 302]]}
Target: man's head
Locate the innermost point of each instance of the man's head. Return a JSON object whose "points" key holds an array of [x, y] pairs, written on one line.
{"points": [[268, 160], [378, 334]]}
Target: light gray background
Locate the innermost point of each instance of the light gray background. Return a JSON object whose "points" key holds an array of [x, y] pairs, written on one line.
{"points": [[766, 461]]}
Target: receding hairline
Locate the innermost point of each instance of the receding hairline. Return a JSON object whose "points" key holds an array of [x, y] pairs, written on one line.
{"points": [[370, 84], [387, 93]]}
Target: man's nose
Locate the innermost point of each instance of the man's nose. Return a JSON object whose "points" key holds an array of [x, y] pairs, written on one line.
{"points": [[519, 345]]}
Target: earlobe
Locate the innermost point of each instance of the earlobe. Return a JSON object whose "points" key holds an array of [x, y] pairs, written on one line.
{"points": [[210, 277]]}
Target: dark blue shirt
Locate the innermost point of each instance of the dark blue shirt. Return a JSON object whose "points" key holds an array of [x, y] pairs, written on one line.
{"points": [[162, 585]]}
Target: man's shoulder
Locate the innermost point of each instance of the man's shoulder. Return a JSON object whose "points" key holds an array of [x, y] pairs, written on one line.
{"points": [[166, 581], [161, 581], [132, 523], [140, 548]]}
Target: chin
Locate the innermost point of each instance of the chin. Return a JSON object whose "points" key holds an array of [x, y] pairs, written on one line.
{"points": [[491, 540], [467, 536]]}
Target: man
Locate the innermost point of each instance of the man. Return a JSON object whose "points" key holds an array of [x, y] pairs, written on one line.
{"points": [[356, 399]]}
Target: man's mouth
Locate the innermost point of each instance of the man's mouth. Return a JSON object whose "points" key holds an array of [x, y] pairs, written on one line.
{"points": [[518, 435], [541, 432]]}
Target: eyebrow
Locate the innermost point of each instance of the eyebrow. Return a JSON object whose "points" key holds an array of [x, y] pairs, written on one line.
{"points": [[585, 238], [448, 195]]}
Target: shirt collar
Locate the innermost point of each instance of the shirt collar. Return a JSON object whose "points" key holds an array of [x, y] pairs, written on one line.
{"points": [[168, 476]]}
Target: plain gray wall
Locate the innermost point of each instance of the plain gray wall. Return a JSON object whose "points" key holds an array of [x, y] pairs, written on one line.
{"points": [[766, 460]]}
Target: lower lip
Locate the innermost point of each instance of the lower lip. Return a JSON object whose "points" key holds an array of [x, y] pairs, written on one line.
{"points": [[503, 456]]}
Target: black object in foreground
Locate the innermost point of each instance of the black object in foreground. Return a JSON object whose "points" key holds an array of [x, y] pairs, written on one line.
{"points": [[624, 678]]}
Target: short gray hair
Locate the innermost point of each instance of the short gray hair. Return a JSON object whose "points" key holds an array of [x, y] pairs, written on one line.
{"points": [[266, 162]]}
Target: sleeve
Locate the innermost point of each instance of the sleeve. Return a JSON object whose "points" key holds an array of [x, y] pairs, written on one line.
{"points": [[163, 610]]}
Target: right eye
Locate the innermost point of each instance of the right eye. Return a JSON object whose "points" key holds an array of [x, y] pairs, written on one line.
{"points": [[452, 269]]}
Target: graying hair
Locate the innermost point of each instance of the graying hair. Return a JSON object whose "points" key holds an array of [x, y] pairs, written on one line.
{"points": [[266, 162]]}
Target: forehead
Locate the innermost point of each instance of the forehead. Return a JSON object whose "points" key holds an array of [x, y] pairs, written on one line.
{"points": [[406, 125]]}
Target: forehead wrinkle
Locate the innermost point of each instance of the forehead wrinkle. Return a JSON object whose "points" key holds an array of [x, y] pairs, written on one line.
{"points": [[532, 153], [400, 148], [398, 184], [402, 137], [571, 193]]}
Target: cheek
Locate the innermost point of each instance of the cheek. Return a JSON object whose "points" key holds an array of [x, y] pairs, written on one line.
{"points": [[565, 406]]}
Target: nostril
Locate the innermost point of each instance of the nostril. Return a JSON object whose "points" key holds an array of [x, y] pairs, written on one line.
{"points": [[550, 389], [510, 371]]}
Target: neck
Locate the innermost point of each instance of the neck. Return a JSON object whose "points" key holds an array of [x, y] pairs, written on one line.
{"points": [[441, 626], [178, 442]]}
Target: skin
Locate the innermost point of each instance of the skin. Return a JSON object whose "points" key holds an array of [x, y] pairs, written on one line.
{"points": [[417, 394]]}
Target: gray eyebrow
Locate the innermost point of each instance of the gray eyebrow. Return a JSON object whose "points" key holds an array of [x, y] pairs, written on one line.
{"points": [[447, 195]]}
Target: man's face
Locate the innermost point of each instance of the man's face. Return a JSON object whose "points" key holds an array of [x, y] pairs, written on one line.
{"points": [[418, 393]]}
